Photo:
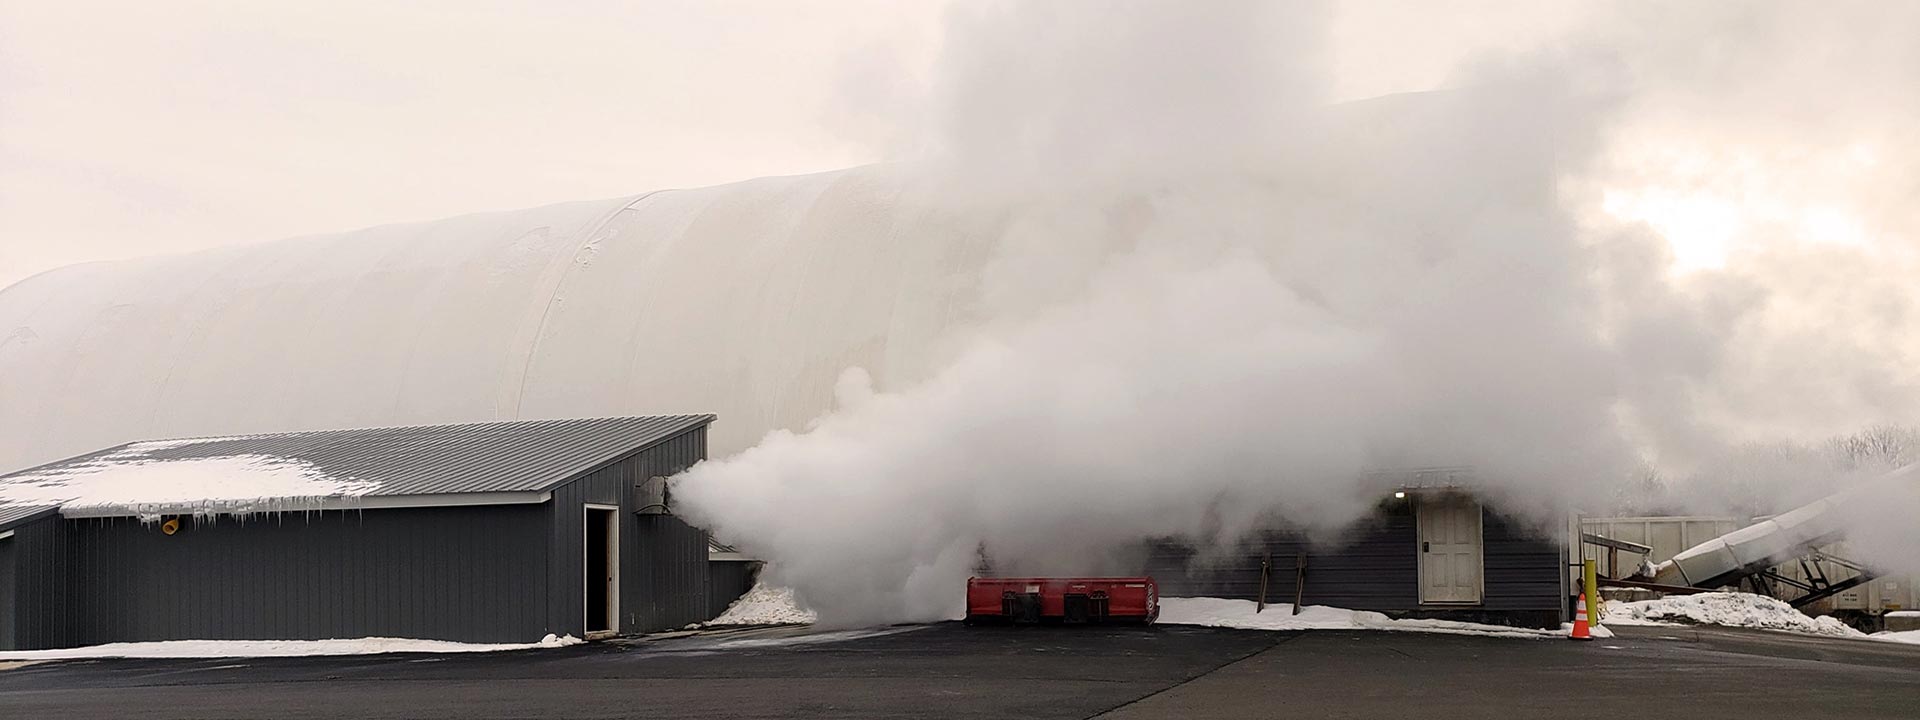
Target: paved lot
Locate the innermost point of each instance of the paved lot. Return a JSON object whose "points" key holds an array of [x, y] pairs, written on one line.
{"points": [[950, 671]]}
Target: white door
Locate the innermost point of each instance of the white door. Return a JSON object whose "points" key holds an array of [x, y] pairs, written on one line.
{"points": [[1450, 558]]}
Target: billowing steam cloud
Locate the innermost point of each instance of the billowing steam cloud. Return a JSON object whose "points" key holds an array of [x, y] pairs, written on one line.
{"points": [[1220, 301]]}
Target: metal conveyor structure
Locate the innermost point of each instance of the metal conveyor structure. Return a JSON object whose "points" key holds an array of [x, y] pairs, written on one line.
{"points": [[1753, 553]]}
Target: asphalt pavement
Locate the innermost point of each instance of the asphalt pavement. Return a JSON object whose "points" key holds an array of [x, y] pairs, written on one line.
{"points": [[947, 670]]}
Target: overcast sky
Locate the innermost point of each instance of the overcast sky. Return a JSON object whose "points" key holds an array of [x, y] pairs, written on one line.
{"points": [[1771, 144], [130, 128]]}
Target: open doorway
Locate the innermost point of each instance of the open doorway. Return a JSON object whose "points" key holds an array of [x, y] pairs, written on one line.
{"points": [[603, 570]]}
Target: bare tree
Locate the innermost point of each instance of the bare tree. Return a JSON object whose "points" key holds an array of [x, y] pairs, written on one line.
{"points": [[1880, 447]]}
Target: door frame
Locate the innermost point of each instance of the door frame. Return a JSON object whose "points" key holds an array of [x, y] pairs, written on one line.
{"points": [[613, 568], [1420, 560]]}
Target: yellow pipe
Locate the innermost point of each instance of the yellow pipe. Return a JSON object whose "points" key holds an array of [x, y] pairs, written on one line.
{"points": [[1591, 577]]}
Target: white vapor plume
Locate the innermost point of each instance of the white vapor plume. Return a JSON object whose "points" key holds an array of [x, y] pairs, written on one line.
{"points": [[1219, 303]]}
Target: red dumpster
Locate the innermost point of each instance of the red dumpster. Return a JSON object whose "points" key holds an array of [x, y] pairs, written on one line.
{"points": [[1062, 600]]}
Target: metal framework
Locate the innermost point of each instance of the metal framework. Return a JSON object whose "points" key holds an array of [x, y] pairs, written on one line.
{"points": [[1613, 550], [1817, 586]]}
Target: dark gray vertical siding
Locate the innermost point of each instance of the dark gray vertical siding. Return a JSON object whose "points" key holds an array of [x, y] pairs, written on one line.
{"points": [[1523, 566], [566, 578], [672, 576], [455, 573], [667, 558], [727, 580], [43, 608], [8, 581], [1374, 567], [458, 573], [663, 560]]}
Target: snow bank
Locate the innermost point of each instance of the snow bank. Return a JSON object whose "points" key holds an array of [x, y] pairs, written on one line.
{"points": [[1221, 612], [1598, 631], [1239, 614], [765, 605], [1904, 636], [129, 481], [769, 605], [277, 648], [1728, 609]]}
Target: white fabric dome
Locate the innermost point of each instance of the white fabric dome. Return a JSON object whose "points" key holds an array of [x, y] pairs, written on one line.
{"points": [[746, 300]]}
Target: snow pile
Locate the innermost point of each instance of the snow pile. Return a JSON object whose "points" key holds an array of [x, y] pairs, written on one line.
{"points": [[1240, 614], [769, 605], [1728, 609], [765, 605], [130, 482], [1904, 636], [1597, 630], [278, 648]]}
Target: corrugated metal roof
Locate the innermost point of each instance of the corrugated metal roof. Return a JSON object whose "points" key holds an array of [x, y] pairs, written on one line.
{"points": [[515, 456], [11, 515], [1428, 478]]}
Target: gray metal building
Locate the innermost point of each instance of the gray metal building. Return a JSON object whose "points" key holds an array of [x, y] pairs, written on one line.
{"points": [[1435, 552], [490, 532]]}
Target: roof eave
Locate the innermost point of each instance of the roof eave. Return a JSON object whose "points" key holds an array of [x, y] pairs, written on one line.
{"points": [[694, 422], [360, 502]]}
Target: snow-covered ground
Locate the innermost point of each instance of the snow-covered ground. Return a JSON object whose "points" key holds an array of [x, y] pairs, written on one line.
{"points": [[769, 605], [1904, 636], [1728, 609], [765, 605], [1221, 612], [276, 648]]}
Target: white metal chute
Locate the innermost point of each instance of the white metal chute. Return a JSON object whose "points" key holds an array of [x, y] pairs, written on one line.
{"points": [[1728, 558]]}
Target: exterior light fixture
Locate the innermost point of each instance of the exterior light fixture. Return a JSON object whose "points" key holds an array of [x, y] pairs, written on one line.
{"points": [[1402, 495]]}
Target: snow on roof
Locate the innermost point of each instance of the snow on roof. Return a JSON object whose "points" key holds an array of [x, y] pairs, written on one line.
{"points": [[128, 481], [299, 471]]}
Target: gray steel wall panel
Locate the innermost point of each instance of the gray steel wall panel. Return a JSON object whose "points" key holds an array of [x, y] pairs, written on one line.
{"points": [[43, 607], [1373, 568], [671, 581], [668, 585], [727, 580], [447, 573], [566, 575], [663, 576], [1523, 567], [9, 576], [457, 573]]}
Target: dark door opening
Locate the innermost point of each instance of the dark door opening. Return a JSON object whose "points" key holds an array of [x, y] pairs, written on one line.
{"points": [[602, 569]]}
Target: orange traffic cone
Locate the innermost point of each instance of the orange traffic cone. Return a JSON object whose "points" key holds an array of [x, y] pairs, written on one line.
{"points": [[1580, 629]]}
